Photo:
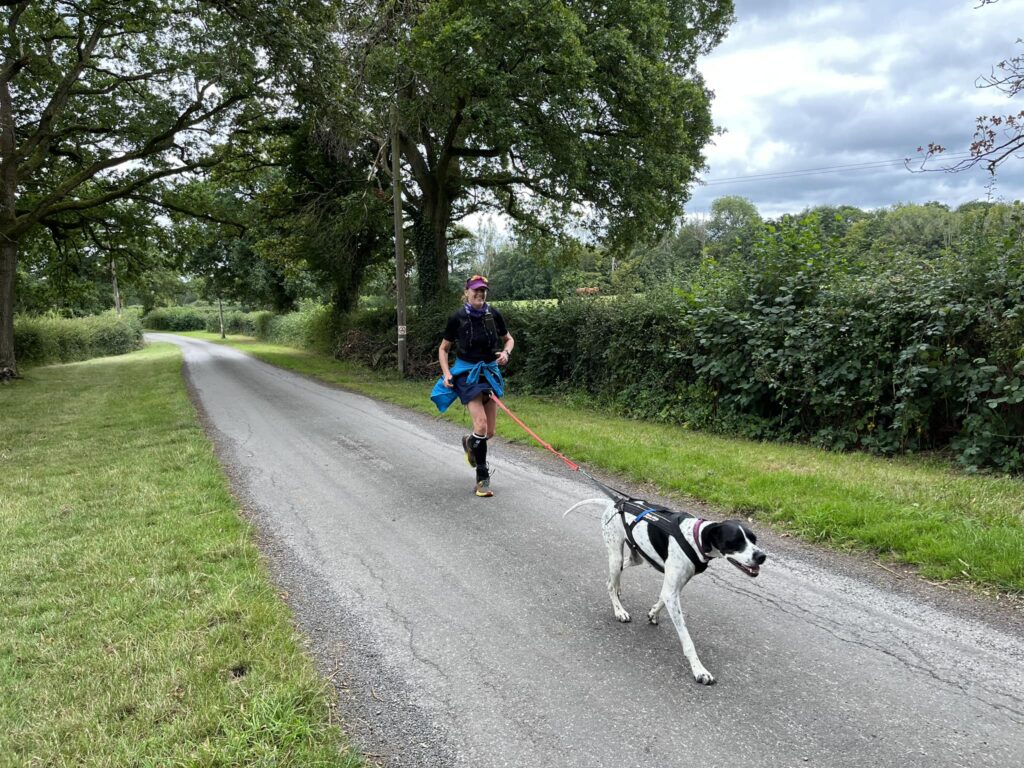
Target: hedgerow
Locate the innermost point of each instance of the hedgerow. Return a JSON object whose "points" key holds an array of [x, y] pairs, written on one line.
{"points": [[208, 319], [177, 319], [798, 338], [241, 323], [52, 339], [309, 328]]}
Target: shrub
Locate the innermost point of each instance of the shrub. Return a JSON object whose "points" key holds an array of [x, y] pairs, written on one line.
{"points": [[52, 339], [309, 328], [235, 322], [796, 339], [177, 319]]}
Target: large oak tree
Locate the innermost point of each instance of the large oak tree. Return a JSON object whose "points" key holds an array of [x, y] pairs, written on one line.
{"points": [[563, 114], [103, 99]]}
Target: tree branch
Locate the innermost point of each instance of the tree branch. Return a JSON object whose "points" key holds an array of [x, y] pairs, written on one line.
{"points": [[36, 146], [163, 202], [472, 152]]}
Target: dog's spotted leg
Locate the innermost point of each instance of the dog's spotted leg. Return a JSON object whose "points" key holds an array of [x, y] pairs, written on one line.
{"points": [[615, 580], [700, 674], [652, 615], [614, 539], [613, 591]]}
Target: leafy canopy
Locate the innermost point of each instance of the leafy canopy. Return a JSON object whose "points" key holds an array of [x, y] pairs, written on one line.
{"points": [[559, 114]]}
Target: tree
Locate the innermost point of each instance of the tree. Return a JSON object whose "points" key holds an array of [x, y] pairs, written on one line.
{"points": [[733, 225], [558, 114], [307, 224], [326, 214], [835, 220], [997, 138], [92, 259], [103, 99], [518, 273]]}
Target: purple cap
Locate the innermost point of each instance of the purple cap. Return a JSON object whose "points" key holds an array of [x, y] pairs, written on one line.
{"points": [[476, 281]]}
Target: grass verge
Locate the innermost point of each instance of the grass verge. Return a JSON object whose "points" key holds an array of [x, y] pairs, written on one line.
{"points": [[914, 511], [139, 625]]}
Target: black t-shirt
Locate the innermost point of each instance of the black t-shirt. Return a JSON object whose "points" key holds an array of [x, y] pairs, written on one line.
{"points": [[474, 343]]}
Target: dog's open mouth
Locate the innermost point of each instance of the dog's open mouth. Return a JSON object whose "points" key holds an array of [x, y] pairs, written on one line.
{"points": [[750, 570]]}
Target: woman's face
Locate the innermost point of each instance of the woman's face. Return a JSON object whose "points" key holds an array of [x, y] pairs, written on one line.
{"points": [[476, 297]]}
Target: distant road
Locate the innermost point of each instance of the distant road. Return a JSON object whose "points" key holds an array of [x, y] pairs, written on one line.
{"points": [[478, 633]]}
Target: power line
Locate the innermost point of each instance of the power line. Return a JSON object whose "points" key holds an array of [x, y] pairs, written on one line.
{"points": [[865, 166]]}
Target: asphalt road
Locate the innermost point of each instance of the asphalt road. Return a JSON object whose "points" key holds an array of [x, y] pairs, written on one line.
{"points": [[477, 632]]}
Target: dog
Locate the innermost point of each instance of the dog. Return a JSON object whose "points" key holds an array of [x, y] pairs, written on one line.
{"points": [[678, 544]]}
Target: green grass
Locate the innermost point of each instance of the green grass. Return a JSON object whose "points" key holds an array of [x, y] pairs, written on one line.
{"points": [[916, 511], [139, 626]]}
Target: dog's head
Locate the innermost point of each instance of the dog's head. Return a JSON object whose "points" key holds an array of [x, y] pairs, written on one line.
{"points": [[735, 542]]}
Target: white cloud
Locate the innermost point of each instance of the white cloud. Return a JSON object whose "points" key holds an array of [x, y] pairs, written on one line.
{"points": [[849, 83]]}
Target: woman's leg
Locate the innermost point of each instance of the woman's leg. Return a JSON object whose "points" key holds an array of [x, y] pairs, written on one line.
{"points": [[478, 415], [491, 409], [477, 442]]}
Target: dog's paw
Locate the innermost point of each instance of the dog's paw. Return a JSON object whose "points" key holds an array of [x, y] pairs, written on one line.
{"points": [[704, 677], [622, 616], [652, 617]]}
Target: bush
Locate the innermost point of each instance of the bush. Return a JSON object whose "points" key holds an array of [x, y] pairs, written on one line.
{"points": [[235, 322], [52, 339], [370, 336], [177, 319], [797, 339], [309, 328]]}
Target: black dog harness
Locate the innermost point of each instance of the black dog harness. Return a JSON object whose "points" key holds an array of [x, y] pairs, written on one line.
{"points": [[662, 524]]}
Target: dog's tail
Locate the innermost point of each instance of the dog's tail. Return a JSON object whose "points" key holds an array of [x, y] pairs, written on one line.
{"points": [[585, 501]]}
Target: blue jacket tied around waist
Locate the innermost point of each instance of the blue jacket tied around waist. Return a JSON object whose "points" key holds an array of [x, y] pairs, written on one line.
{"points": [[443, 396]]}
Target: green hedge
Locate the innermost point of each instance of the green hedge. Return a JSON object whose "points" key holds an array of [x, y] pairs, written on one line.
{"points": [[177, 319], [207, 319], [240, 323], [795, 340], [51, 339], [312, 327]]}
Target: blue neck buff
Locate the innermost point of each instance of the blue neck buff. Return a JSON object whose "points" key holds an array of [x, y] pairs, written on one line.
{"points": [[476, 312]]}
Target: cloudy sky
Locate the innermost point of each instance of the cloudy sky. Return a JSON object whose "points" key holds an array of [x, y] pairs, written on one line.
{"points": [[804, 87]]}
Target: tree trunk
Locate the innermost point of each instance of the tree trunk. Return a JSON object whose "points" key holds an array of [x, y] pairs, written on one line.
{"points": [[430, 234], [8, 264], [8, 241], [220, 305], [399, 221], [117, 293], [423, 243], [441, 248]]}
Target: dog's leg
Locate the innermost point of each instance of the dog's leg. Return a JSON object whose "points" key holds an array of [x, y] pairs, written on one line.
{"points": [[614, 540], [614, 581], [670, 590], [652, 615]]}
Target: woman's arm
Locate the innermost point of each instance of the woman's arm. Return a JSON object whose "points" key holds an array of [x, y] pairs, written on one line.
{"points": [[506, 351], [442, 358]]}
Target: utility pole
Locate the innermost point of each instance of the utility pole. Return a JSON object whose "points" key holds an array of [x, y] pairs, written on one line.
{"points": [[396, 190]]}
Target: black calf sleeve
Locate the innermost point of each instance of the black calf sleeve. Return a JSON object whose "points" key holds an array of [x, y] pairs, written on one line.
{"points": [[478, 444]]}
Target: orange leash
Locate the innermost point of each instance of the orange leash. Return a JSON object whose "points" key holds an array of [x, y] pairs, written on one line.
{"points": [[611, 492]]}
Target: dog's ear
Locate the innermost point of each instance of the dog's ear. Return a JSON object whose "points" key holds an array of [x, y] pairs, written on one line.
{"points": [[711, 536], [726, 536]]}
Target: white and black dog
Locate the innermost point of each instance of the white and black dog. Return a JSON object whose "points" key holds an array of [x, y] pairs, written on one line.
{"points": [[678, 544]]}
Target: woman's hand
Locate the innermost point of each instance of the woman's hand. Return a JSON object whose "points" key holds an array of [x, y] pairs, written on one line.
{"points": [[502, 358], [448, 380]]}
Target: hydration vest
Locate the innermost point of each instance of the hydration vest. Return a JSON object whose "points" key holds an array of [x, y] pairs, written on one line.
{"points": [[464, 342]]}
